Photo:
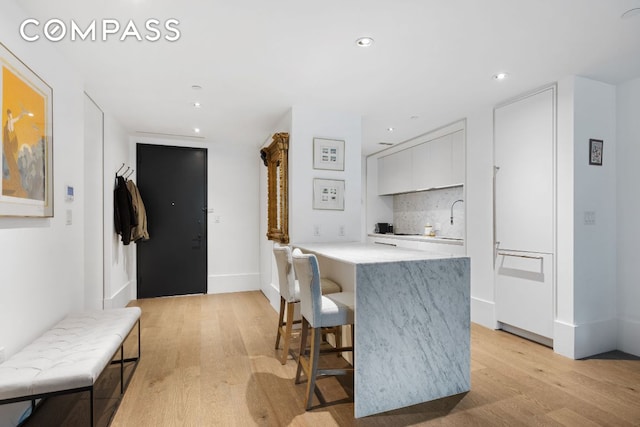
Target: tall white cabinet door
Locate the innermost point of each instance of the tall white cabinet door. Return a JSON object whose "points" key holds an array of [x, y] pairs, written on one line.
{"points": [[524, 180], [524, 291]]}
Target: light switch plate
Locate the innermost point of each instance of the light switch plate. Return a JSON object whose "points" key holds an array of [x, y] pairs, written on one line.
{"points": [[68, 193], [69, 219]]}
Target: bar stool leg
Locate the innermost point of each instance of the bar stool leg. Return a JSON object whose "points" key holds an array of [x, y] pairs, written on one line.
{"points": [[287, 332], [313, 366], [303, 348], [280, 319], [338, 336]]}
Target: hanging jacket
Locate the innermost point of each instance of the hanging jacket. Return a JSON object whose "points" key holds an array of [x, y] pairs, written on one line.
{"points": [[124, 216], [139, 232]]}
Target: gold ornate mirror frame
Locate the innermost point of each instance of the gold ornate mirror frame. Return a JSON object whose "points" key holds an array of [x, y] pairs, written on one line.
{"points": [[275, 157]]}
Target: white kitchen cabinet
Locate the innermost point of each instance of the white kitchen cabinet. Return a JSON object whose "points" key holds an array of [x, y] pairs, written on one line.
{"points": [[524, 150], [431, 164], [378, 240], [524, 177], [437, 163], [394, 173], [458, 162], [422, 244], [524, 291]]}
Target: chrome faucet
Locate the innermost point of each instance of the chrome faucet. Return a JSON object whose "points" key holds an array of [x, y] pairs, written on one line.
{"points": [[452, 205]]}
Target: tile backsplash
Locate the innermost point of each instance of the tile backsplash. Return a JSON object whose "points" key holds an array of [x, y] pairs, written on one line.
{"points": [[412, 211]]}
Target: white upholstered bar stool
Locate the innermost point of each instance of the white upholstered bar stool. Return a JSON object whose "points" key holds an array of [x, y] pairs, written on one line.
{"points": [[319, 311], [290, 295]]}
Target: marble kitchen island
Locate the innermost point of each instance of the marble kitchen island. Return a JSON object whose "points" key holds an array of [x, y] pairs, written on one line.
{"points": [[412, 325]]}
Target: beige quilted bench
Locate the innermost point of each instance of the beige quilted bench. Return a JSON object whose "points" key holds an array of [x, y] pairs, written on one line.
{"points": [[69, 357]]}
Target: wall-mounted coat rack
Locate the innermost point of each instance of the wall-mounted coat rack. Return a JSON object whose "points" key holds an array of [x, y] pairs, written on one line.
{"points": [[126, 174]]}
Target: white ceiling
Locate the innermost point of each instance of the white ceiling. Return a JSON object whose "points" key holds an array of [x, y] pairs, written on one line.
{"points": [[255, 59]]}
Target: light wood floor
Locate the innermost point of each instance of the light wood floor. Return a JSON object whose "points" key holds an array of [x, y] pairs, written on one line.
{"points": [[209, 361]]}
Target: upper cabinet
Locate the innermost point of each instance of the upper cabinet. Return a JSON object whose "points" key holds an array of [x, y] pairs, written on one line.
{"points": [[458, 163], [394, 173], [433, 164]]}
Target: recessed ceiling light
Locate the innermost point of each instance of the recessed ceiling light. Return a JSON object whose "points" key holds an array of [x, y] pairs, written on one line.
{"points": [[500, 76], [196, 130], [197, 105], [631, 12], [364, 41], [389, 129], [414, 117], [196, 87]]}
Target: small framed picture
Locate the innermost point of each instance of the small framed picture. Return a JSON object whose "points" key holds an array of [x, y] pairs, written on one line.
{"points": [[328, 154], [595, 152], [328, 194]]}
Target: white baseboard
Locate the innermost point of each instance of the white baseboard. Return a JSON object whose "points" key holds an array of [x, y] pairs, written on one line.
{"points": [[483, 312], [564, 339], [225, 283], [587, 339], [629, 336], [273, 295], [122, 297]]}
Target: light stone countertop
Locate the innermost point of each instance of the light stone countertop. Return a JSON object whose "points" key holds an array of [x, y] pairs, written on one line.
{"points": [[362, 253]]}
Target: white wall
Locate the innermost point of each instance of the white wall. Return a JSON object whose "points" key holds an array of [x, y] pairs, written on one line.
{"points": [[303, 124], [308, 123], [586, 321], [41, 274], [93, 206], [233, 241], [479, 214], [564, 324], [628, 206], [594, 245], [120, 268], [233, 225]]}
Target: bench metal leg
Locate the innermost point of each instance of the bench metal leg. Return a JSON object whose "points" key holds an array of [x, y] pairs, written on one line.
{"points": [[122, 369]]}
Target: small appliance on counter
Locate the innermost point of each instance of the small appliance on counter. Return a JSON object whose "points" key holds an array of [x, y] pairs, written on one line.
{"points": [[384, 228]]}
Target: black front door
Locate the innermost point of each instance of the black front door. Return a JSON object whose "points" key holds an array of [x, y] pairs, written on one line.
{"points": [[173, 185]]}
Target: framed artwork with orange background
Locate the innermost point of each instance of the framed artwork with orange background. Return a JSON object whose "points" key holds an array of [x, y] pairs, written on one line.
{"points": [[26, 141]]}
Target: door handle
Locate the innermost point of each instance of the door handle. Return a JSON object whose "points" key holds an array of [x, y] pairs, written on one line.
{"points": [[520, 256]]}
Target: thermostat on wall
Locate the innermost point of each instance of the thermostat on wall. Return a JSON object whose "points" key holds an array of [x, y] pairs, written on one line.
{"points": [[68, 193]]}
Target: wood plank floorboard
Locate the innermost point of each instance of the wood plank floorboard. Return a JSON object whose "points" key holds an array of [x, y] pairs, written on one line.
{"points": [[209, 360]]}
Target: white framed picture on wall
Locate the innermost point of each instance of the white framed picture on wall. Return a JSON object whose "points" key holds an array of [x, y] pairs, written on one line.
{"points": [[328, 154], [328, 194]]}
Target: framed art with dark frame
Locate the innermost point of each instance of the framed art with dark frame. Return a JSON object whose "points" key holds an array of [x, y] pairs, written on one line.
{"points": [[595, 151], [26, 182]]}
